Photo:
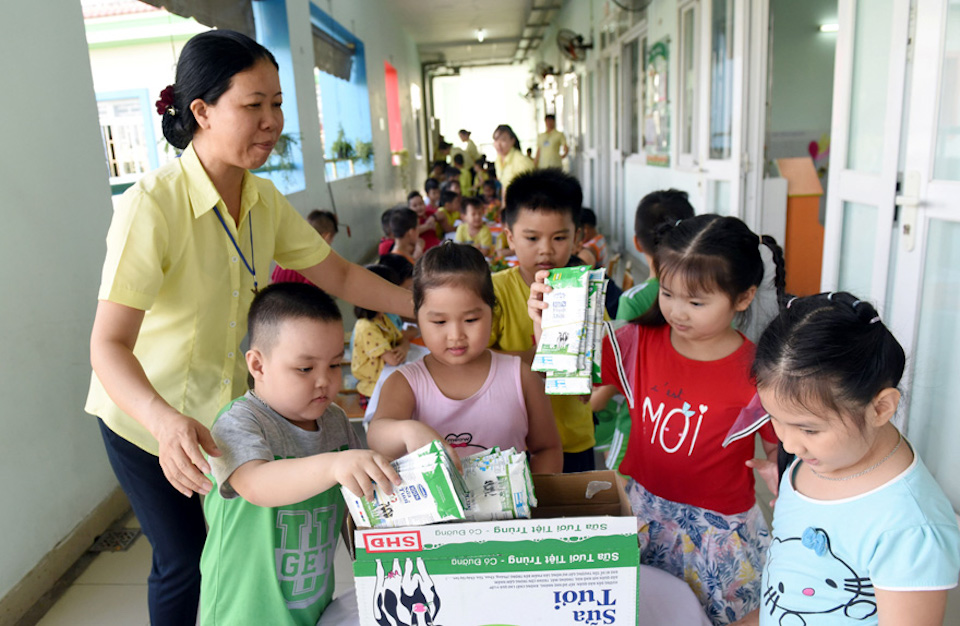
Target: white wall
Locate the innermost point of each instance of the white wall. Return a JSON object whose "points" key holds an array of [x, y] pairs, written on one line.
{"points": [[373, 22], [55, 210]]}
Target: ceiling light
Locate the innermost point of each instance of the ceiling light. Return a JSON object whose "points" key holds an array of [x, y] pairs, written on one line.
{"points": [[480, 33], [829, 28]]}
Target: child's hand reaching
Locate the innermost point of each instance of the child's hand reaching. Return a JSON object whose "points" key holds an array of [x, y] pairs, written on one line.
{"points": [[535, 304], [357, 470]]}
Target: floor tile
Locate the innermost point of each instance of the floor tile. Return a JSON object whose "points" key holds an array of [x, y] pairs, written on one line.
{"points": [[102, 605], [120, 568]]}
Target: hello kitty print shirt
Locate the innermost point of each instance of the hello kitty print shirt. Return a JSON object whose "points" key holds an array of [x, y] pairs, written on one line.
{"points": [[827, 557]]}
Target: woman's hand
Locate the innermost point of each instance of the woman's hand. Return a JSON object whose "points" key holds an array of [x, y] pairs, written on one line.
{"points": [[535, 304], [181, 459]]}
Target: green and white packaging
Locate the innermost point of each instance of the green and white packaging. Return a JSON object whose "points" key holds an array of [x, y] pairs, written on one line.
{"points": [[431, 492], [588, 328], [581, 568], [498, 485], [564, 321]]}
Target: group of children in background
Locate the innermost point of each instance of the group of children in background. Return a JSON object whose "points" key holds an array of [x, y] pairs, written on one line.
{"points": [[861, 531]]}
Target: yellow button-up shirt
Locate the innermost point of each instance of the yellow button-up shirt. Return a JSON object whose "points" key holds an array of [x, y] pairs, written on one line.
{"points": [[512, 331], [169, 255], [512, 165]]}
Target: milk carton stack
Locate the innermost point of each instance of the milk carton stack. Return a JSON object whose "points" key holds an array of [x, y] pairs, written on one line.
{"points": [[495, 484], [569, 348]]}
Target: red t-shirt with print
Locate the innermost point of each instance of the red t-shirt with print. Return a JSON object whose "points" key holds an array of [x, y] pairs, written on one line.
{"points": [[683, 410]]}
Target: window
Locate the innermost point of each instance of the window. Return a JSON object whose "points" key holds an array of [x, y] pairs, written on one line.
{"points": [[129, 144], [394, 121], [688, 84], [417, 105], [633, 52], [343, 100], [721, 79]]}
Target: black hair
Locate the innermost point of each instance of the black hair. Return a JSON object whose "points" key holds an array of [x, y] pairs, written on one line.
{"points": [[431, 184], [324, 221], [385, 221], [205, 69], [505, 128], [385, 273], [402, 267], [544, 190], [280, 302], [469, 201], [588, 217], [413, 194], [709, 253], [452, 264], [446, 196], [658, 208], [458, 159], [402, 220], [829, 351]]}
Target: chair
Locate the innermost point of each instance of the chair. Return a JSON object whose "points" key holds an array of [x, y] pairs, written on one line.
{"points": [[628, 281], [612, 265]]}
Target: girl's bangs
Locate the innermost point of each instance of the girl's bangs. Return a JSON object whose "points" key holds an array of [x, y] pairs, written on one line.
{"points": [[699, 274]]}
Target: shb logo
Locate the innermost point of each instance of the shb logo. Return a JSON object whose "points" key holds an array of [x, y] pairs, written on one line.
{"points": [[404, 541]]}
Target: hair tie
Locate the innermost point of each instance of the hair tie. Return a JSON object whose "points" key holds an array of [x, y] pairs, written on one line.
{"points": [[165, 103], [789, 302]]}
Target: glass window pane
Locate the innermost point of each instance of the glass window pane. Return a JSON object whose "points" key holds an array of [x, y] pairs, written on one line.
{"points": [[688, 79], [633, 95], [615, 99], [719, 197], [857, 247], [721, 80], [868, 90], [947, 163], [934, 394]]}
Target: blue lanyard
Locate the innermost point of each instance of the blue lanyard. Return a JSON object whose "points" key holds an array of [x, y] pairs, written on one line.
{"points": [[251, 269]]}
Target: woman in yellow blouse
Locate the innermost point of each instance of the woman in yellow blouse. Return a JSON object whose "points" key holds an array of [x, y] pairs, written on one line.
{"points": [[511, 160], [187, 248]]}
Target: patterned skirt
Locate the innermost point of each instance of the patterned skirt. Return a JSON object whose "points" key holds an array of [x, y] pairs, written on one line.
{"points": [[719, 556]]}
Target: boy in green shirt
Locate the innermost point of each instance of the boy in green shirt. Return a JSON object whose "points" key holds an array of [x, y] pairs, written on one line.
{"points": [[275, 510], [655, 209]]}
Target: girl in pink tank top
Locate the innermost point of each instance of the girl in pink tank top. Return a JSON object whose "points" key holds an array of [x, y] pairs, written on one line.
{"points": [[462, 393]]}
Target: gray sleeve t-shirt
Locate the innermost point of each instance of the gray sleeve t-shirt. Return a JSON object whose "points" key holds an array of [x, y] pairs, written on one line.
{"points": [[249, 430]]}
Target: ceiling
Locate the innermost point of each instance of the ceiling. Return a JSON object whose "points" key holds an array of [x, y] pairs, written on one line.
{"points": [[445, 30]]}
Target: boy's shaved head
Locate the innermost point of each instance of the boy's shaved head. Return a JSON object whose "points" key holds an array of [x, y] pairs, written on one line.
{"points": [[283, 301]]}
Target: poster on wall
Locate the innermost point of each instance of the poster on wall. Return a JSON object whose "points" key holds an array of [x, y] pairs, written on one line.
{"points": [[656, 106]]}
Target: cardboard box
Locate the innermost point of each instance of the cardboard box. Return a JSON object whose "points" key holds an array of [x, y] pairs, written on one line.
{"points": [[576, 562]]}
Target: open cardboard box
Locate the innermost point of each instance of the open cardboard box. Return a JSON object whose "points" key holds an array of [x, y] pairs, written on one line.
{"points": [[576, 561]]}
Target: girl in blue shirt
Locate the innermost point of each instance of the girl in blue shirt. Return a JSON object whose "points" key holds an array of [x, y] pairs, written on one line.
{"points": [[862, 533]]}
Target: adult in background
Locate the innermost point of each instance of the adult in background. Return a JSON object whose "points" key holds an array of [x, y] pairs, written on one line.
{"points": [[511, 160], [188, 247], [468, 148], [551, 145]]}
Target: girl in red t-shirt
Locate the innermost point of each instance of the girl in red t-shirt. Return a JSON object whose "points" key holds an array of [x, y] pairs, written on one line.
{"points": [[685, 371]]}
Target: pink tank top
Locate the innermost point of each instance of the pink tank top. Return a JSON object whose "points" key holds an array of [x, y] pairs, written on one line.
{"points": [[496, 415]]}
